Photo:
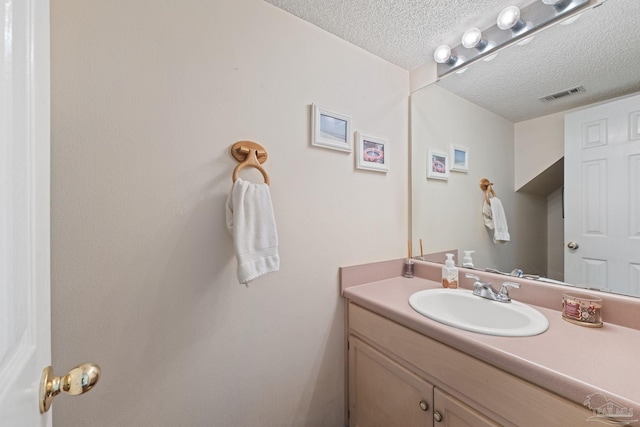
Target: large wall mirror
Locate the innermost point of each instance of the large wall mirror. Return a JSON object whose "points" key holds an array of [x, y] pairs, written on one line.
{"points": [[497, 111]]}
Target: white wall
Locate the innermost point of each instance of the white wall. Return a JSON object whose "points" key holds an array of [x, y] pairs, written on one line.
{"points": [[147, 98], [448, 214]]}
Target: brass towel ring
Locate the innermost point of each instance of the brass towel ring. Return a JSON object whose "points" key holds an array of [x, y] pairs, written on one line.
{"points": [[251, 154], [487, 187]]}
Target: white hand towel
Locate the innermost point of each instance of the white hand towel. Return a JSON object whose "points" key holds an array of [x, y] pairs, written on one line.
{"points": [[495, 219], [251, 222]]}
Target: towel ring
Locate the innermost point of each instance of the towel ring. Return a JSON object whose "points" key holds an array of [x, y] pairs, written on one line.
{"points": [[250, 154], [487, 187]]}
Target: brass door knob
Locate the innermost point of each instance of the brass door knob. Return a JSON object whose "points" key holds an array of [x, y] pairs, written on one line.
{"points": [[77, 381]]}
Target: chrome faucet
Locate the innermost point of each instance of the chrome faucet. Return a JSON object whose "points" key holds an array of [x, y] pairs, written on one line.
{"points": [[485, 289]]}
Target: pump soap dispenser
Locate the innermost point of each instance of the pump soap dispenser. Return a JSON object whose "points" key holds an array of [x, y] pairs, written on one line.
{"points": [[467, 261], [449, 273]]}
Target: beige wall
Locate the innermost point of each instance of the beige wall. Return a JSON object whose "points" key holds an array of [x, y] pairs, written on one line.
{"points": [[147, 98], [555, 235], [448, 214], [538, 144]]}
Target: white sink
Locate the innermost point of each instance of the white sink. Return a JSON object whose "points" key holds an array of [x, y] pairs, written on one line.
{"points": [[461, 309]]}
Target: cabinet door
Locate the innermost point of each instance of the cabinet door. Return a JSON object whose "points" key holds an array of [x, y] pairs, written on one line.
{"points": [[383, 393], [450, 412]]}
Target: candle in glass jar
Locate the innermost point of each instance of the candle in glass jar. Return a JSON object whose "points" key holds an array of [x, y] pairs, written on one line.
{"points": [[582, 309]]}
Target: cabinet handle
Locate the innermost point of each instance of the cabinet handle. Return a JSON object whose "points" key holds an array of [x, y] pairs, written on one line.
{"points": [[437, 416], [424, 405]]}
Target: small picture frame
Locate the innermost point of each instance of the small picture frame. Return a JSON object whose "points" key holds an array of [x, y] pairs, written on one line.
{"points": [[372, 153], [331, 130], [459, 158], [437, 165]]}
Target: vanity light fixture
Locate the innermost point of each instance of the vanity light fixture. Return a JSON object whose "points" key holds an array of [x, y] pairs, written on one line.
{"points": [[557, 3], [513, 25], [472, 38], [509, 19], [442, 55]]}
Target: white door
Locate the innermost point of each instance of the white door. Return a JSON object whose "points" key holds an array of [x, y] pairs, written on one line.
{"points": [[602, 196], [25, 334]]}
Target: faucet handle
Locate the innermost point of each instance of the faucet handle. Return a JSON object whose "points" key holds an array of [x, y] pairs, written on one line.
{"points": [[478, 282], [480, 287], [504, 292]]}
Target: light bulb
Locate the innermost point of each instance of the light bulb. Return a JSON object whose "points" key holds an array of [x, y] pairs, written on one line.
{"points": [[442, 55], [509, 18], [472, 38]]}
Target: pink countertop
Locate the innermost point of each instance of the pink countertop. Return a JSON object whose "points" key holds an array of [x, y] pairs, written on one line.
{"points": [[570, 360]]}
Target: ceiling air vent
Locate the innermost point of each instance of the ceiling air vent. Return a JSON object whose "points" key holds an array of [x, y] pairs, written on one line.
{"points": [[562, 94]]}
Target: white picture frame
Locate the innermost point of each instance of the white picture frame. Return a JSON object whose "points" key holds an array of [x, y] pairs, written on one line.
{"points": [[331, 129], [437, 165], [372, 153], [459, 158]]}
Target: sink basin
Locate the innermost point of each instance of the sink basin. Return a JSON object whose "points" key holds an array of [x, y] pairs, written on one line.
{"points": [[463, 310]]}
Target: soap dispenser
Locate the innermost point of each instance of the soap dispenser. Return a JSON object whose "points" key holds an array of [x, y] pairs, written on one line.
{"points": [[449, 273], [467, 261]]}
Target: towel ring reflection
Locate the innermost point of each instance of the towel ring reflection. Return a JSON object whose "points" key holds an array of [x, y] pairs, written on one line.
{"points": [[249, 154], [487, 187]]}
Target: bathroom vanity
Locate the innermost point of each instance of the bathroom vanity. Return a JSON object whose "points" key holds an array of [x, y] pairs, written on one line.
{"points": [[405, 369]]}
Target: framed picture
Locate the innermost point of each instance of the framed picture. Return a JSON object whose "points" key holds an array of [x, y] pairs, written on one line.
{"points": [[372, 153], [437, 165], [330, 129], [459, 158]]}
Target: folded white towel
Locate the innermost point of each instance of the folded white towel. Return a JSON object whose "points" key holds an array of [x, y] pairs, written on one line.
{"points": [[495, 219], [251, 222]]}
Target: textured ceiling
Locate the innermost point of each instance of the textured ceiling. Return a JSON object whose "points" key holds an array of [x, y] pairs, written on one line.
{"points": [[600, 51], [404, 32]]}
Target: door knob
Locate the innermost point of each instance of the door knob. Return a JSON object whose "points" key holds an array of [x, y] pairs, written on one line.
{"points": [[79, 380], [573, 245]]}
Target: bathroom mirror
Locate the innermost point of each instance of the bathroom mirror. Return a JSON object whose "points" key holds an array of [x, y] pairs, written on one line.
{"points": [[483, 108]]}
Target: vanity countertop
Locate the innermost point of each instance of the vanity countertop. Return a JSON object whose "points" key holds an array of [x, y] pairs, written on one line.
{"points": [[570, 360]]}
